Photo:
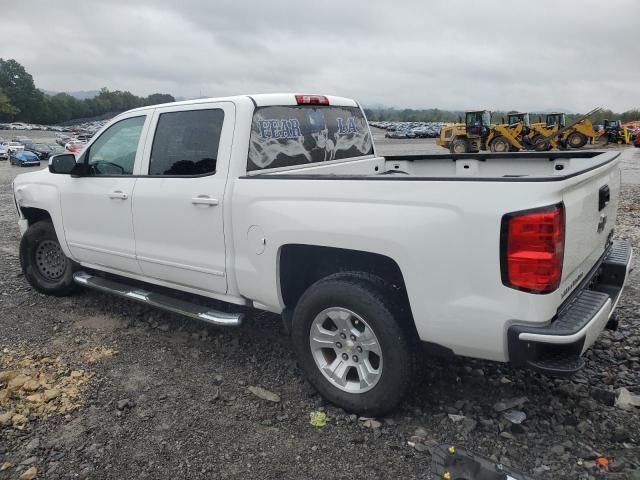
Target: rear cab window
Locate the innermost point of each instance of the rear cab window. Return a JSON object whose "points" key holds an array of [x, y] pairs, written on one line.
{"points": [[289, 136]]}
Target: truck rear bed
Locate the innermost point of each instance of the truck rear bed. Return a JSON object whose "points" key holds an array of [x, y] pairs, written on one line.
{"points": [[439, 217]]}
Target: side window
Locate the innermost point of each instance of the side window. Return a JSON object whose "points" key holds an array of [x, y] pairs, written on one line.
{"points": [[186, 143], [114, 152]]}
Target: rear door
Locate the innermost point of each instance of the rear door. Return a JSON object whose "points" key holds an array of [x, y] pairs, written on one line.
{"points": [[178, 202]]}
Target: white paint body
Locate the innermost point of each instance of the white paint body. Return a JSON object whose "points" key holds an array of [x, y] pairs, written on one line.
{"points": [[440, 224]]}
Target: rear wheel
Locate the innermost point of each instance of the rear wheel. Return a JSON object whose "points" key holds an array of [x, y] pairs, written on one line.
{"points": [[500, 144], [352, 343], [44, 264], [459, 145], [577, 140]]}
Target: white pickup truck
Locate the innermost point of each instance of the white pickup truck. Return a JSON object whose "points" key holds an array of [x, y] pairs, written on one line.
{"points": [[280, 203]]}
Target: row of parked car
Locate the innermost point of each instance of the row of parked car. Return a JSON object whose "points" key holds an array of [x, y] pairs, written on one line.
{"points": [[88, 127], [24, 152], [409, 129]]}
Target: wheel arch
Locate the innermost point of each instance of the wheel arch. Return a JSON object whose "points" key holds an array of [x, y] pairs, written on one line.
{"points": [[301, 265], [33, 215]]}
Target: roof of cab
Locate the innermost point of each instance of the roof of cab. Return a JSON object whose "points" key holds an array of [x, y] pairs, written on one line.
{"points": [[260, 100]]}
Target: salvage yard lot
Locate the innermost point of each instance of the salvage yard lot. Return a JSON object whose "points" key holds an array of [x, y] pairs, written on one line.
{"points": [[141, 393]]}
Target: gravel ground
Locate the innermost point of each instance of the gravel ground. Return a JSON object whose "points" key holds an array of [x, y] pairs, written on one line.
{"points": [[139, 393]]}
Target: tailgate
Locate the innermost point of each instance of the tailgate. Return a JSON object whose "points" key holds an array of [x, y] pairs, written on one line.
{"points": [[591, 205]]}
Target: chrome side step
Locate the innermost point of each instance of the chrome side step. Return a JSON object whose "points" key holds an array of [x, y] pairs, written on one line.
{"points": [[159, 300]]}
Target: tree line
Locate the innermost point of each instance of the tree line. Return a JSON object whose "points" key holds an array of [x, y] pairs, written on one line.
{"points": [[437, 115], [21, 101]]}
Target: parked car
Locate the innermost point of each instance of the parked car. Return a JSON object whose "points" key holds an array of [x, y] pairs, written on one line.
{"points": [[83, 137], [74, 146], [19, 126], [396, 134], [4, 151], [62, 139], [245, 200], [43, 150], [24, 158], [636, 142], [22, 139], [14, 146]]}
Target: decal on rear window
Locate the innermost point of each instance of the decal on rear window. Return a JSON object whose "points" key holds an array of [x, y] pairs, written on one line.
{"points": [[286, 136]]}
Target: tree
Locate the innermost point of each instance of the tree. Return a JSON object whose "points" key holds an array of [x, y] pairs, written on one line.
{"points": [[7, 110], [18, 85], [157, 98]]}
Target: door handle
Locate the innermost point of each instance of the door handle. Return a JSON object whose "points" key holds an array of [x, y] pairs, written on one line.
{"points": [[118, 194], [205, 200]]}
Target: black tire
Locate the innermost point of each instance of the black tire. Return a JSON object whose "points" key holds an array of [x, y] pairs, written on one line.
{"points": [[459, 145], [500, 144], [577, 140], [374, 300], [43, 262], [540, 144]]}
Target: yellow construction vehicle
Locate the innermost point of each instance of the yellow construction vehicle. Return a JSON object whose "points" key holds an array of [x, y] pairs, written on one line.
{"points": [[615, 132], [478, 133], [554, 133]]}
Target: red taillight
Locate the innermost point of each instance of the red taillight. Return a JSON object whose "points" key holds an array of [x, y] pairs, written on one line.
{"points": [[532, 249], [312, 100]]}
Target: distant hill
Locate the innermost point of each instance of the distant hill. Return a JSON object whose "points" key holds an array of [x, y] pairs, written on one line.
{"points": [[80, 95]]}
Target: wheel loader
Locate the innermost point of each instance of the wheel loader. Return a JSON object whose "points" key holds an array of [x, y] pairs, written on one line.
{"points": [[478, 133], [554, 133]]}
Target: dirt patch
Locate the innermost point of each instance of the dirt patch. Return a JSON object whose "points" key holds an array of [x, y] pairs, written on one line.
{"points": [[101, 323], [99, 353], [32, 387]]}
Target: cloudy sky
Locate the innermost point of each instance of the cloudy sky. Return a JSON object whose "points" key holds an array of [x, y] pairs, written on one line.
{"points": [[542, 54]]}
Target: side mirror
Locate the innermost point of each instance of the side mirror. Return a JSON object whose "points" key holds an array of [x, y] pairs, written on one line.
{"points": [[62, 164]]}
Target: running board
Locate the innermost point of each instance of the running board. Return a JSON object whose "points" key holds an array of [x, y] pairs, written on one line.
{"points": [[159, 300]]}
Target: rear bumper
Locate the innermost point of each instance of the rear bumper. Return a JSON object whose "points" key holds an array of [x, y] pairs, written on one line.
{"points": [[556, 348]]}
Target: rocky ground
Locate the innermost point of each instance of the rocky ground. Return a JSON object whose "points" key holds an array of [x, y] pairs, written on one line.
{"points": [[97, 387]]}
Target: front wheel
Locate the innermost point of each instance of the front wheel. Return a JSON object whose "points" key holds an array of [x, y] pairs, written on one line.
{"points": [[353, 344], [540, 143], [577, 140], [459, 145], [500, 144], [44, 264]]}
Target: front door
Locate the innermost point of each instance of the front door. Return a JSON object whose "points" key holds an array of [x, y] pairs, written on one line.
{"points": [[96, 207], [178, 201]]}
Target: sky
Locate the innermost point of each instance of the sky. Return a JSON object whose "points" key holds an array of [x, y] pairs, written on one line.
{"points": [[463, 54]]}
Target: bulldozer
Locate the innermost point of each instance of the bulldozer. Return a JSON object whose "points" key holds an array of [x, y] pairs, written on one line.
{"points": [[478, 133]]}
